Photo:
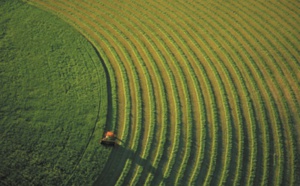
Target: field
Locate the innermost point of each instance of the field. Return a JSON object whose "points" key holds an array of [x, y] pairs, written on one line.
{"points": [[53, 100], [200, 93]]}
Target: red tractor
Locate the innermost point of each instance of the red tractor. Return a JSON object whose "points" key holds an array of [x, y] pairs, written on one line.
{"points": [[109, 139]]}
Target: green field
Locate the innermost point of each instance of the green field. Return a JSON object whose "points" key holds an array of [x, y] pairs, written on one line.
{"points": [[199, 92], [53, 100]]}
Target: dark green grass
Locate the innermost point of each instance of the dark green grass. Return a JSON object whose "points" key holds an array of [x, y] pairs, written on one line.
{"points": [[53, 101]]}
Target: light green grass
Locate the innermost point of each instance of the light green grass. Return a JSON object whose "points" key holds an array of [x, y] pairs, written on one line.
{"points": [[53, 100]]}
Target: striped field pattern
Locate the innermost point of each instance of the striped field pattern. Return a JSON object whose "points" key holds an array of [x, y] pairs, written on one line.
{"points": [[203, 93]]}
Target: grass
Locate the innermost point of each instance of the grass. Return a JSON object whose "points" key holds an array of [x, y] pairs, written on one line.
{"points": [[53, 102]]}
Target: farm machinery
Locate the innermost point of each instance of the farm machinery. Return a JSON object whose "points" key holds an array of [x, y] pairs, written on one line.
{"points": [[109, 139]]}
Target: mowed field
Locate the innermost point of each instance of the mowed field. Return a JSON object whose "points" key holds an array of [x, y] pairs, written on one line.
{"points": [[200, 93]]}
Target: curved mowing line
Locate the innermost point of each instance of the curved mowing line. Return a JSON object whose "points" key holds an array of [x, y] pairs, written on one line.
{"points": [[293, 7], [189, 115], [164, 129], [287, 115], [141, 61], [227, 116], [164, 100], [134, 180], [229, 138], [184, 52], [262, 81], [277, 38], [279, 90], [211, 92], [229, 130], [174, 84], [291, 58], [229, 34], [228, 42], [196, 172], [224, 43]]}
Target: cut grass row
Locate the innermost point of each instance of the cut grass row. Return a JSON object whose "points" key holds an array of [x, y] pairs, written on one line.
{"points": [[286, 117], [283, 49], [186, 98], [162, 59], [228, 130], [224, 43], [218, 79], [147, 136], [282, 98]]}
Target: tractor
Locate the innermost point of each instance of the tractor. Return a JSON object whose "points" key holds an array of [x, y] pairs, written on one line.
{"points": [[109, 139]]}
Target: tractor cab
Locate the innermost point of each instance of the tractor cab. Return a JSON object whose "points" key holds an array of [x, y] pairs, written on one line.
{"points": [[109, 139]]}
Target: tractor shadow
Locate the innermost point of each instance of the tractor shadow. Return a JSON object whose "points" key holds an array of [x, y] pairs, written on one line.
{"points": [[117, 161], [136, 159]]}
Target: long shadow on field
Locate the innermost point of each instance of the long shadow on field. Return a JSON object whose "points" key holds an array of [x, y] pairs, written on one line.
{"points": [[113, 170], [120, 154]]}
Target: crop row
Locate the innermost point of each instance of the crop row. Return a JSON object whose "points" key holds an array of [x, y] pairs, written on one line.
{"points": [[187, 100], [276, 84], [138, 131], [167, 16], [228, 129], [255, 91], [287, 110], [256, 70], [278, 41], [224, 43], [165, 62]]}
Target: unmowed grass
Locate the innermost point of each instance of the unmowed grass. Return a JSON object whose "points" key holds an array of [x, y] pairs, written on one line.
{"points": [[53, 100]]}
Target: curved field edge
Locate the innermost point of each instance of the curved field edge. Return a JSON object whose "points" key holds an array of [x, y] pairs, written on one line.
{"points": [[54, 100]]}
